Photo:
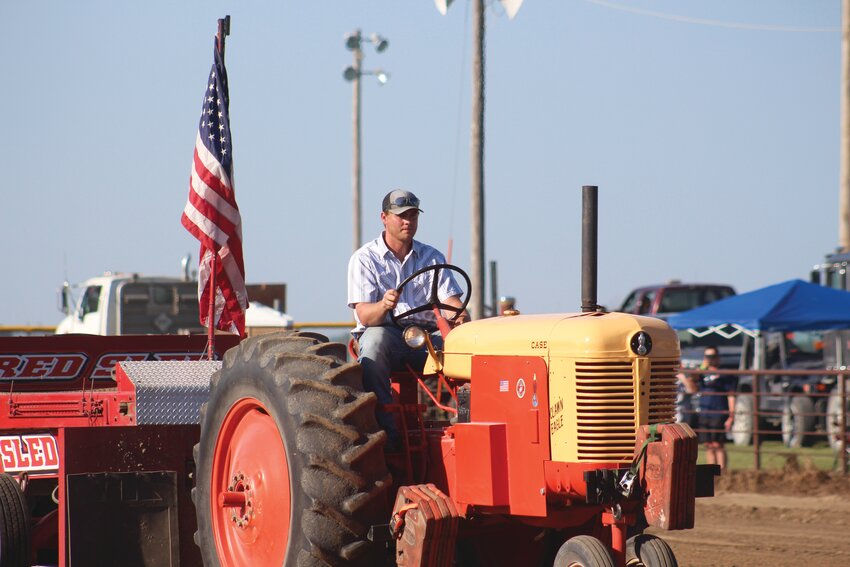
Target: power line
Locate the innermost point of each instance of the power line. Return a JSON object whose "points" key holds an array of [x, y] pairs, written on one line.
{"points": [[714, 23]]}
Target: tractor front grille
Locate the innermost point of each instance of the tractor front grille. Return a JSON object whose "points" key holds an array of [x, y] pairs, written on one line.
{"points": [[607, 407], [605, 410], [662, 391]]}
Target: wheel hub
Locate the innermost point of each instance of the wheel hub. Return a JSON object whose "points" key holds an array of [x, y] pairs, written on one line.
{"points": [[239, 496]]}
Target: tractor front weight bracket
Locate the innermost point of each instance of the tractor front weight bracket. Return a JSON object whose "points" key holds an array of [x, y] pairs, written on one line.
{"points": [[603, 485]]}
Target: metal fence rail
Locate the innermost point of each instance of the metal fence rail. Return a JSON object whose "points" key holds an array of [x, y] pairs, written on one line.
{"points": [[835, 430]]}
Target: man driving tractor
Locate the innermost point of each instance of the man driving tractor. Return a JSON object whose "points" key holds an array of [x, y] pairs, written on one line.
{"points": [[380, 298]]}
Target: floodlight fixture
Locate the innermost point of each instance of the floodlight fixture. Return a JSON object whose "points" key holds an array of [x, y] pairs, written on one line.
{"points": [[352, 40], [380, 43]]}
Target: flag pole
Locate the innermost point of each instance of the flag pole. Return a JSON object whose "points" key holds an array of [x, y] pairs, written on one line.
{"points": [[223, 32], [211, 316]]}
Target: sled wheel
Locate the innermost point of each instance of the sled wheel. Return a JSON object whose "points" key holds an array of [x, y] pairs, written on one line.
{"points": [[290, 466], [14, 524], [583, 551], [797, 420], [645, 550]]}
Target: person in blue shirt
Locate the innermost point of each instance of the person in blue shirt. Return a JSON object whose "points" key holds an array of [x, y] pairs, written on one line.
{"points": [[716, 408]]}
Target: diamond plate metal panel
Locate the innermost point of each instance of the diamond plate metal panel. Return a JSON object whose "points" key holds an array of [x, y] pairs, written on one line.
{"points": [[170, 392]]}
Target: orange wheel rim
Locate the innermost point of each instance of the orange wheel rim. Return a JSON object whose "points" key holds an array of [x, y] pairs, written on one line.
{"points": [[250, 496]]}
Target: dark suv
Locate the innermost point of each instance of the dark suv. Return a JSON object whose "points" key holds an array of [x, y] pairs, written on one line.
{"points": [[664, 299]]}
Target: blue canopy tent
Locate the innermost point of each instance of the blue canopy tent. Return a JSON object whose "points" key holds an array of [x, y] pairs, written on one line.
{"points": [[793, 305]]}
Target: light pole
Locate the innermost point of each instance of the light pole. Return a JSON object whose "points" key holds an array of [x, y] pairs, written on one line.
{"points": [[354, 42]]}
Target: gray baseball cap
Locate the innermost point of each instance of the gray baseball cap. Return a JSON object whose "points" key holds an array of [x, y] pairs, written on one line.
{"points": [[399, 200]]}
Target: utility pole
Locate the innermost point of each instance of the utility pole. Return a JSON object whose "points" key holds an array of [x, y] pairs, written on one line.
{"points": [[476, 304], [844, 168], [477, 162], [353, 42], [356, 177]]}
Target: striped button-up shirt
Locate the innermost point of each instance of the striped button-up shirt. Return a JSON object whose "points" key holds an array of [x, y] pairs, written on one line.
{"points": [[374, 269]]}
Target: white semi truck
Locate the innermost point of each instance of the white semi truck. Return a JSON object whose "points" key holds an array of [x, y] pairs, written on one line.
{"points": [[130, 304]]}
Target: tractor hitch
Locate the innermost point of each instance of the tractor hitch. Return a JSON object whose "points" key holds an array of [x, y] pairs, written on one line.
{"points": [[603, 485]]}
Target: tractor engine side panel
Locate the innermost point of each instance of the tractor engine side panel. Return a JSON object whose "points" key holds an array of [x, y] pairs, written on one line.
{"points": [[509, 390]]}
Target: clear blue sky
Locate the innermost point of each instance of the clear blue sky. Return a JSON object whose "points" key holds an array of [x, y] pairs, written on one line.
{"points": [[713, 134]]}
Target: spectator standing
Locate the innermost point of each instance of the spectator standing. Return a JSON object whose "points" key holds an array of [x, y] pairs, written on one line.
{"points": [[716, 408]]}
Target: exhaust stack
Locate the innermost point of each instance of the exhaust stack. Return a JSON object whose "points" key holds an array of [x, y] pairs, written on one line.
{"points": [[589, 226]]}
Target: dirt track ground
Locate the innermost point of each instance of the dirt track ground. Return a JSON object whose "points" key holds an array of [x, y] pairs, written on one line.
{"points": [[780, 519]]}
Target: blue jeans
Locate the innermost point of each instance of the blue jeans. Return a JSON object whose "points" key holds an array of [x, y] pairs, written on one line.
{"points": [[383, 351]]}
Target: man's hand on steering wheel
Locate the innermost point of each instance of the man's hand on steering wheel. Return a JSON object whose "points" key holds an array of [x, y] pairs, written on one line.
{"points": [[390, 299], [455, 306]]}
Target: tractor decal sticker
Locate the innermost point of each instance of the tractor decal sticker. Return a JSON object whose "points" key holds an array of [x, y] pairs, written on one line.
{"points": [[504, 385], [556, 421], [50, 366], [520, 388], [534, 401], [31, 453]]}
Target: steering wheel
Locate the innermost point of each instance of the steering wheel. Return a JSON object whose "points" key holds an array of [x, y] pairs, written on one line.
{"points": [[434, 299]]}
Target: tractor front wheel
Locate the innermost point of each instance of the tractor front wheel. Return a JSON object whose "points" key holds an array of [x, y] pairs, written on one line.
{"points": [[583, 551], [647, 550], [290, 466]]}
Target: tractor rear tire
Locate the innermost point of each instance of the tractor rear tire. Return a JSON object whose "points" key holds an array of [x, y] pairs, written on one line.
{"points": [[797, 420], [646, 550], [15, 529], [583, 551], [290, 464]]}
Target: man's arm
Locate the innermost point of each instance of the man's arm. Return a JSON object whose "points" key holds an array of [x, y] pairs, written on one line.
{"points": [[374, 314], [689, 382], [729, 420], [455, 301], [363, 286]]}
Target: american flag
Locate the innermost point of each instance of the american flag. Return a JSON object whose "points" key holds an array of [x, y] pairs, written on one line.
{"points": [[211, 214]]}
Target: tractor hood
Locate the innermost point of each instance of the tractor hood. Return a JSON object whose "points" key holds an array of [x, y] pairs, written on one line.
{"points": [[586, 335]]}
